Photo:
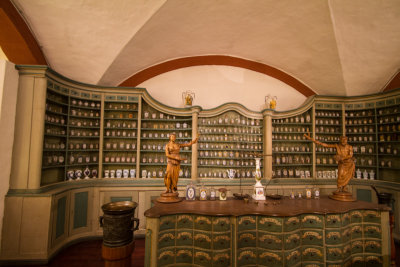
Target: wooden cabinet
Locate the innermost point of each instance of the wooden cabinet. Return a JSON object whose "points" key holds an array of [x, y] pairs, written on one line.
{"points": [[304, 236]]}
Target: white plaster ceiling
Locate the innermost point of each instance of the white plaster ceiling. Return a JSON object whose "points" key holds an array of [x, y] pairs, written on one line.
{"points": [[336, 47]]}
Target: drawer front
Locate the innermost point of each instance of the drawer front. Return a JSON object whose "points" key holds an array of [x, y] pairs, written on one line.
{"points": [[202, 258], [292, 257], [346, 219], [333, 237], [356, 216], [270, 259], [270, 241], [292, 241], [202, 240], [270, 224], [333, 221], [312, 264], [221, 259], [371, 216], [184, 238], [346, 234], [372, 246], [357, 247], [247, 239], [291, 224], [184, 221], [356, 231], [312, 254], [347, 262], [373, 261], [221, 241], [312, 237], [338, 264], [166, 257], [334, 253], [372, 231], [357, 261], [246, 223], [221, 224], [347, 251], [184, 255], [247, 257], [312, 221], [203, 223], [167, 222], [166, 239]]}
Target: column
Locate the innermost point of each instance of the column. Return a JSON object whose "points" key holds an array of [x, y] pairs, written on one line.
{"points": [[29, 128], [195, 119], [267, 143]]}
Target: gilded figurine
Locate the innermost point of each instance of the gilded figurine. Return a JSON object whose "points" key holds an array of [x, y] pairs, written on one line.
{"points": [[346, 166], [173, 162]]}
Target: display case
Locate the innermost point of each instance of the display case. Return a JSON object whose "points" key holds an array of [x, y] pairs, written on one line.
{"points": [[120, 136], [228, 144], [292, 152], [55, 134], [328, 129], [156, 126], [83, 135], [123, 134], [360, 124], [388, 123]]}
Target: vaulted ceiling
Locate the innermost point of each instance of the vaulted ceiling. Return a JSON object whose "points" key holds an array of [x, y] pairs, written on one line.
{"points": [[333, 47]]}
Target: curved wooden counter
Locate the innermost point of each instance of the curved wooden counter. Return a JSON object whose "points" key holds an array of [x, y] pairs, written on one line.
{"points": [[283, 207], [301, 232]]}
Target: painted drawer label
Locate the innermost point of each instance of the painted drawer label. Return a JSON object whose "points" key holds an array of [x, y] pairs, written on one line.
{"points": [[312, 221], [270, 224], [184, 256], [221, 259], [221, 224], [292, 257], [247, 239], [202, 223], [202, 240], [292, 241], [267, 258], [291, 224], [222, 241], [184, 221], [269, 241]]}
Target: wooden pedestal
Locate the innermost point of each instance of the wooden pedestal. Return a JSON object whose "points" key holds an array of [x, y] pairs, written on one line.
{"points": [[169, 198], [118, 256], [342, 196]]}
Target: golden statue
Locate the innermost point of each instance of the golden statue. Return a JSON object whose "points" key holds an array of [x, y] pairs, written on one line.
{"points": [[346, 166], [272, 103], [173, 167]]}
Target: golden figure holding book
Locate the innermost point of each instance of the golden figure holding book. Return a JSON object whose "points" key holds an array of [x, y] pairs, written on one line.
{"points": [[346, 166]]}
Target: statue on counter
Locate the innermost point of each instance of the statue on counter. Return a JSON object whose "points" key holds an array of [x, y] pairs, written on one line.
{"points": [[173, 167], [346, 166]]}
